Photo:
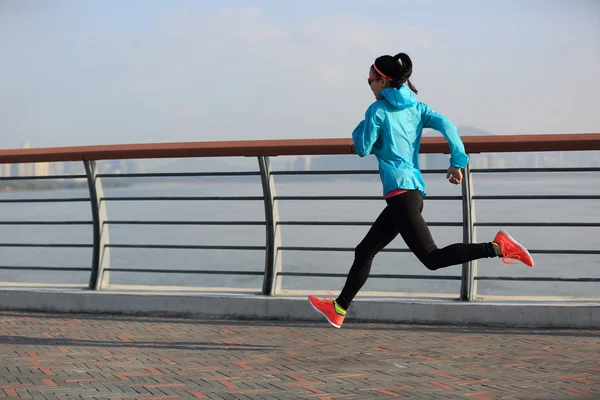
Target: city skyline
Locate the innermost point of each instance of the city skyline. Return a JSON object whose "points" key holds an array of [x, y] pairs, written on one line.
{"points": [[64, 168]]}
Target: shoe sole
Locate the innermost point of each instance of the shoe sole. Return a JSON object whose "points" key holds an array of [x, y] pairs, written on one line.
{"points": [[323, 314], [520, 246]]}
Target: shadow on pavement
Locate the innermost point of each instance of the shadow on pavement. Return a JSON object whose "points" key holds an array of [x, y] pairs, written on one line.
{"points": [[36, 341]]}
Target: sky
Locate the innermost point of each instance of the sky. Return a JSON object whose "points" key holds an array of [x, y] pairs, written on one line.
{"points": [[84, 72]]}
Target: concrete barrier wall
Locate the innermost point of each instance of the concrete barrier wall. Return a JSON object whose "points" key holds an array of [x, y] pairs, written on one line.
{"points": [[510, 314]]}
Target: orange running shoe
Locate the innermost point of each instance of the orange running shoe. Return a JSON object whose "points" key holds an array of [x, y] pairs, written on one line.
{"points": [[511, 249], [327, 308]]}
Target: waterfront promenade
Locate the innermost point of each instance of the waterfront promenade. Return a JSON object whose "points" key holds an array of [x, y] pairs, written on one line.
{"points": [[531, 334], [74, 356]]}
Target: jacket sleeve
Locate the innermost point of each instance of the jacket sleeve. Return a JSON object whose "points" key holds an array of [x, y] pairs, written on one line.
{"points": [[436, 121], [367, 132]]}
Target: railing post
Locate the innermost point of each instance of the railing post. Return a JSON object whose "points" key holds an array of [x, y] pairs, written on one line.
{"points": [[99, 277], [468, 285], [273, 258]]}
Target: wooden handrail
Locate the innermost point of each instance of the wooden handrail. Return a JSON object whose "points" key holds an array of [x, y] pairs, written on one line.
{"points": [[290, 147]]}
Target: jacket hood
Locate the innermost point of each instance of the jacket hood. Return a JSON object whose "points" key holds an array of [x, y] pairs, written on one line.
{"points": [[399, 98]]}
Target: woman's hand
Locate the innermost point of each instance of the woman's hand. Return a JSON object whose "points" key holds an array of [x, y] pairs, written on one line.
{"points": [[454, 175]]}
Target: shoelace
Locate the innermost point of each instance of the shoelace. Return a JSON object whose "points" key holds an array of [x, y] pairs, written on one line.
{"points": [[513, 256], [328, 300]]}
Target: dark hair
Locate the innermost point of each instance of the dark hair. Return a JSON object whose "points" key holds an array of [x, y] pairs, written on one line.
{"points": [[397, 68]]}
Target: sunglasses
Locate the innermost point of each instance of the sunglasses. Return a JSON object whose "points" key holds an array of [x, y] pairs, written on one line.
{"points": [[371, 80]]}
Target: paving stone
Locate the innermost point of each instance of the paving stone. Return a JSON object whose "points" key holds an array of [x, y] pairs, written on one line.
{"points": [[60, 356]]}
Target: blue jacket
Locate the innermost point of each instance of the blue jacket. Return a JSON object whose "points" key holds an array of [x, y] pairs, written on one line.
{"points": [[392, 130]]}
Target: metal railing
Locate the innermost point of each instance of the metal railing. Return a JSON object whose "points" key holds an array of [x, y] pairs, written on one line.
{"points": [[274, 269]]}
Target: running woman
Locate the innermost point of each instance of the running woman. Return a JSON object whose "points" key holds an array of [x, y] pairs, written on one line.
{"points": [[392, 130]]}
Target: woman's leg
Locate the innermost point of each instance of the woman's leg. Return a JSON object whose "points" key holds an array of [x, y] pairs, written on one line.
{"points": [[382, 232], [406, 210], [403, 215]]}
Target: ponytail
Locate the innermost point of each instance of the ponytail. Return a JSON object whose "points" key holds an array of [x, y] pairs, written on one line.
{"points": [[406, 65]]}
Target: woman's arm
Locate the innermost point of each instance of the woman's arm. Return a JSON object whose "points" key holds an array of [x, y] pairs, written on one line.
{"points": [[366, 133], [434, 120]]}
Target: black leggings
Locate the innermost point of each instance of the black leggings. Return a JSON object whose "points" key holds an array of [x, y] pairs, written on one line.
{"points": [[403, 216]]}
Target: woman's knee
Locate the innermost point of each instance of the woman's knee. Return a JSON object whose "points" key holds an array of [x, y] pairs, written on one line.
{"points": [[431, 260], [433, 265]]}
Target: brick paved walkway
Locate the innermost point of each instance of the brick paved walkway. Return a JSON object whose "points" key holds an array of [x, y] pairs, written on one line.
{"points": [[46, 356]]}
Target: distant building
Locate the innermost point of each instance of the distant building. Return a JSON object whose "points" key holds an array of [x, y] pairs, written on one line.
{"points": [[25, 169], [57, 168], [5, 170], [42, 169]]}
